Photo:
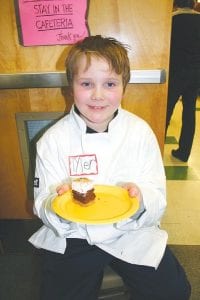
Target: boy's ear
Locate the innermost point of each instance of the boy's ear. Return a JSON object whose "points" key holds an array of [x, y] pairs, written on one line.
{"points": [[67, 93]]}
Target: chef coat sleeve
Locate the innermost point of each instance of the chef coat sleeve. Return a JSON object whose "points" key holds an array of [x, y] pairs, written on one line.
{"points": [[49, 173], [152, 184]]}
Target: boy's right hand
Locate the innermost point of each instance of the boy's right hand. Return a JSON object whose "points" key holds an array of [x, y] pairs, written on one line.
{"points": [[62, 189]]}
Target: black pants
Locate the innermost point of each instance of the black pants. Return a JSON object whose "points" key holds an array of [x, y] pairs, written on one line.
{"points": [[185, 84], [77, 275]]}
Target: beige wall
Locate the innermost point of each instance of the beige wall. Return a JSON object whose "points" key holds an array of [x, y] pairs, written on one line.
{"points": [[144, 25]]}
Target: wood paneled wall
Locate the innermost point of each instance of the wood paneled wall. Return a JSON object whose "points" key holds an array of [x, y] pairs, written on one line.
{"points": [[144, 25]]}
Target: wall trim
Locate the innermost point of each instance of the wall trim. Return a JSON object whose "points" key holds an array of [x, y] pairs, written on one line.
{"points": [[58, 79]]}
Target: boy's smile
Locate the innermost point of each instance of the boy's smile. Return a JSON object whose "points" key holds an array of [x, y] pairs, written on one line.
{"points": [[97, 92]]}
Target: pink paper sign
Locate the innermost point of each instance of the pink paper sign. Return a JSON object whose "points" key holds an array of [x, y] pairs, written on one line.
{"points": [[52, 22]]}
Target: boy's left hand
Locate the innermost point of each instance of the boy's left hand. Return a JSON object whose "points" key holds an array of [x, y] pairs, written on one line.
{"points": [[133, 190]]}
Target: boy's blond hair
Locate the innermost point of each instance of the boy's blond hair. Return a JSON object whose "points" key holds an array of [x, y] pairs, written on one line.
{"points": [[113, 51]]}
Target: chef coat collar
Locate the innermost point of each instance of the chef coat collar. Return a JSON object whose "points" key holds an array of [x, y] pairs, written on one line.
{"points": [[88, 129]]}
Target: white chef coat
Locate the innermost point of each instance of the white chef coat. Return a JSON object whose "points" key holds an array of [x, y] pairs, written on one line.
{"points": [[128, 152]]}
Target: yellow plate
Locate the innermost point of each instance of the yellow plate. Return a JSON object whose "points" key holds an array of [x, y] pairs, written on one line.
{"points": [[111, 204]]}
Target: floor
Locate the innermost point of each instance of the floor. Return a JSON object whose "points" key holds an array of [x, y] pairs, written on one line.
{"points": [[183, 189]]}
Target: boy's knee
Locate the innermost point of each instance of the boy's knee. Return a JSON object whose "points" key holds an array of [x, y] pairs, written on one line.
{"points": [[182, 291]]}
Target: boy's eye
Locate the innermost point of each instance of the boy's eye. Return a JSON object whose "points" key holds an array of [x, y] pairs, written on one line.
{"points": [[110, 84], [86, 83]]}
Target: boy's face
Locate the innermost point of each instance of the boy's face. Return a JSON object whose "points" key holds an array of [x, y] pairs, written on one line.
{"points": [[97, 92]]}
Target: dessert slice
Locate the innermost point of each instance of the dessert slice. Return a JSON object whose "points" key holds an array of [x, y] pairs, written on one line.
{"points": [[83, 190]]}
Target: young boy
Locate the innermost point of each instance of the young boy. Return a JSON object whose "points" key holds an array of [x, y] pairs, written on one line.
{"points": [[125, 152]]}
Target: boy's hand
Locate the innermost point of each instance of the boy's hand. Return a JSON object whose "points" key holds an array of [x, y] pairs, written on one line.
{"points": [[133, 190], [62, 189]]}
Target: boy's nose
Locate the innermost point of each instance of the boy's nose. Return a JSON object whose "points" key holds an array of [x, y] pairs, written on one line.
{"points": [[97, 94]]}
